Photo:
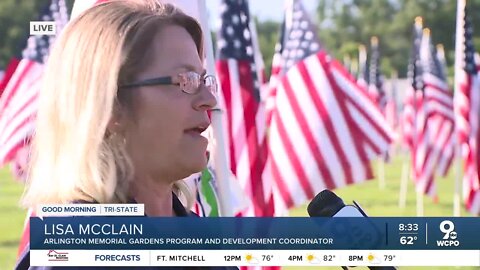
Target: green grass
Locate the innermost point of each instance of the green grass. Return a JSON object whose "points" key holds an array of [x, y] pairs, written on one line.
{"points": [[378, 202], [11, 218], [375, 201]]}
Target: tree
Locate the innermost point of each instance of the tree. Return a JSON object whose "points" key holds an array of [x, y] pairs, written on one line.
{"points": [[267, 32], [344, 22]]}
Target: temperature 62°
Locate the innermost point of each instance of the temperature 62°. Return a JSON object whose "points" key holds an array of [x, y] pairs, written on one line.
{"points": [[407, 240]]}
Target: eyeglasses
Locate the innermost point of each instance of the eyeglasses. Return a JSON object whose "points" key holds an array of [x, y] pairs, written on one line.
{"points": [[189, 82]]}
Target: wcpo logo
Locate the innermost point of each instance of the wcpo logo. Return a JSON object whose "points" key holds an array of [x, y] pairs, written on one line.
{"points": [[54, 255], [447, 227]]}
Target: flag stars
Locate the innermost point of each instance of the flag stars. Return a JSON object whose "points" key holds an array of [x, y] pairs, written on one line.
{"points": [[309, 35], [300, 54], [295, 43], [304, 25], [297, 14], [469, 63], [237, 44], [221, 44], [223, 8], [292, 54], [230, 31], [235, 39], [296, 34], [235, 19], [243, 18], [249, 50], [301, 40], [37, 48], [314, 47], [246, 34]]}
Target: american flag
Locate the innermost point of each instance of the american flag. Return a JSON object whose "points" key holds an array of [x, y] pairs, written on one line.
{"points": [[18, 103], [441, 112], [375, 77], [277, 63], [434, 120], [467, 106], [325, 129], [362, 75], [26, 77], [410, 102], [391, 108], [11, 67], [240, 83], [2, 74], [442, 62]]}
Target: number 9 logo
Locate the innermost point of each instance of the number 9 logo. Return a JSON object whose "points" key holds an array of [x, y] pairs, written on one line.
{"points": [[447, 227]]}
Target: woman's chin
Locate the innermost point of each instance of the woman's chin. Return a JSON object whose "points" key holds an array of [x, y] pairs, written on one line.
{"points": [[201, 165], [197, 165]]}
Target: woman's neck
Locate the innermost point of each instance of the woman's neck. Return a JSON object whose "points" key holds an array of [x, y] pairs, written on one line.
{"points": [[155, 195]]}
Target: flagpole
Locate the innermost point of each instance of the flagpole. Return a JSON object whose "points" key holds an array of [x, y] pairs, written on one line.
{"points": [[402, 198], [420, 211], [418, 191], [381, 173], [219, 156], [459, 43], [402, 201], [457, 202]]}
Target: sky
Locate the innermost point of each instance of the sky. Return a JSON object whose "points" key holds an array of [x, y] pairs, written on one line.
{"points": [[263, 9]]}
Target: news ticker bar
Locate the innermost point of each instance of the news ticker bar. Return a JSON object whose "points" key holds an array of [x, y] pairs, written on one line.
{"points": [[255, 258], [143, 233]]}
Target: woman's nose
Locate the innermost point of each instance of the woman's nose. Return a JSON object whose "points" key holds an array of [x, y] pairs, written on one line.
{"points": [[206, 100]]}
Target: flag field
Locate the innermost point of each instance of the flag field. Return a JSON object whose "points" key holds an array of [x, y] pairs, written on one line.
{"points": [[376, 202]]}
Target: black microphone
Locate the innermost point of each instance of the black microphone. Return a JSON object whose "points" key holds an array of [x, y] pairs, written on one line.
{"points": [[328, 204]]}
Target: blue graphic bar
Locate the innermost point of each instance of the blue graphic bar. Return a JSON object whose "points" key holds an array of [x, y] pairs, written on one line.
{"points": [[341, 233]]}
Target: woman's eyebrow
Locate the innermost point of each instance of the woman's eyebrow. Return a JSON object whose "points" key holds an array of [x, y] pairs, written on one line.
{"points": [[189, 67]]}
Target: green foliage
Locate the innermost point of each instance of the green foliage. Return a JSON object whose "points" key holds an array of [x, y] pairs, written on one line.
{"points": [[344, 22], [268, 32]]}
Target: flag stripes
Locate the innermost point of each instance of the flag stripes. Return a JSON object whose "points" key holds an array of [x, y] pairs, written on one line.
{"points": [[315, 123]]}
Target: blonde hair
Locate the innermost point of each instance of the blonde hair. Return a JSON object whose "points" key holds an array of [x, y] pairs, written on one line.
{"points": [[74, 158]]}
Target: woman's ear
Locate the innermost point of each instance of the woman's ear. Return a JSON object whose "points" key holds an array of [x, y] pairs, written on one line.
{"points": [[113, 127], [117, 123]]}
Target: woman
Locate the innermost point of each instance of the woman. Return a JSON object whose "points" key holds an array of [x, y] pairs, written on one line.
{"points": [[124, 101]]}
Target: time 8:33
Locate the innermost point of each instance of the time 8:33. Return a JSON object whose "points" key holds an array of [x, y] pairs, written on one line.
{"points": [[408, 227]]}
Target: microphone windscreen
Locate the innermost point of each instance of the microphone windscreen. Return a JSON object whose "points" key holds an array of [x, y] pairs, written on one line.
{"points": [[325, 204]]}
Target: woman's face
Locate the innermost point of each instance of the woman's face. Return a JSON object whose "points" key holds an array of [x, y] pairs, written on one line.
{"points": [[164, 139]]}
